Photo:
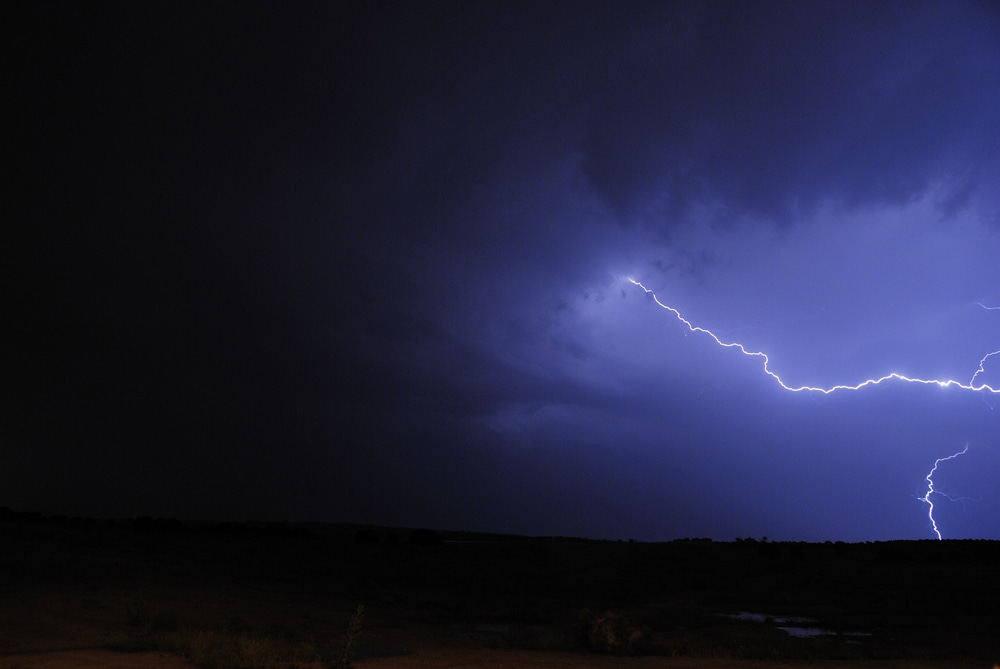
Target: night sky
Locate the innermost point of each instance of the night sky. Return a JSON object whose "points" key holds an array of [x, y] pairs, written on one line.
{"points": [[369, 263]]}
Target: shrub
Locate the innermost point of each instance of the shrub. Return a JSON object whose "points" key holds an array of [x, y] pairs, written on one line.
{"points": [[351, 634]]}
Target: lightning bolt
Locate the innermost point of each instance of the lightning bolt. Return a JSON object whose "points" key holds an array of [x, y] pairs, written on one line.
{"points": [[982, 370], [970, 385], [930, 490], [766, 362]]}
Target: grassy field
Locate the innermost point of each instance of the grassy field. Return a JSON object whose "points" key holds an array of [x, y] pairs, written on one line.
{"points": [[268, 595]]}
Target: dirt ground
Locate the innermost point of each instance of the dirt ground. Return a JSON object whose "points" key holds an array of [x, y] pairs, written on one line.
{"points": [[457, 657]]}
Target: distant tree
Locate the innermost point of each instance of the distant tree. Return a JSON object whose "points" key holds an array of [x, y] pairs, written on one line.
{"points": [[769, 551]]}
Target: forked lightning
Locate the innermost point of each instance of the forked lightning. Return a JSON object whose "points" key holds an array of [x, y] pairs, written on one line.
{"points": [[970, 385]]}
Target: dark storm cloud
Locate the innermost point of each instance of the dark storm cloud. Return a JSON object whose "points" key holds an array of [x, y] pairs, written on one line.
{"points": [[772, 107], [525, 158], [367, 261]]}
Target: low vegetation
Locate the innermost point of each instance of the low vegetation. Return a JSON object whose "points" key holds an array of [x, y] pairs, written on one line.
{"points": [[232, 596]]}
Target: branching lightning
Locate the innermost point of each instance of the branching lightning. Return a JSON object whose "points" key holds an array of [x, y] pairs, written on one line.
{"points": [[971, 385], [931, 490], [894, 376]]}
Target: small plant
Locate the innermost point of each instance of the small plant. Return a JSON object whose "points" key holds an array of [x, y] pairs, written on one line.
{"points": [[351, 635]]}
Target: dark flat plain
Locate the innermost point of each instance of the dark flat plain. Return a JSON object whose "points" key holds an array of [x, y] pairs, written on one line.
{"points": [[154, 585]]}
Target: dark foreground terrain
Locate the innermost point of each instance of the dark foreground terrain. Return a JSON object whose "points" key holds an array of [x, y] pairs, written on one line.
{"points": [[160, 593]]}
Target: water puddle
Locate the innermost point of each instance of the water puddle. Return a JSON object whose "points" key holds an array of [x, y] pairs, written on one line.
{"points": [[796, 626]]}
